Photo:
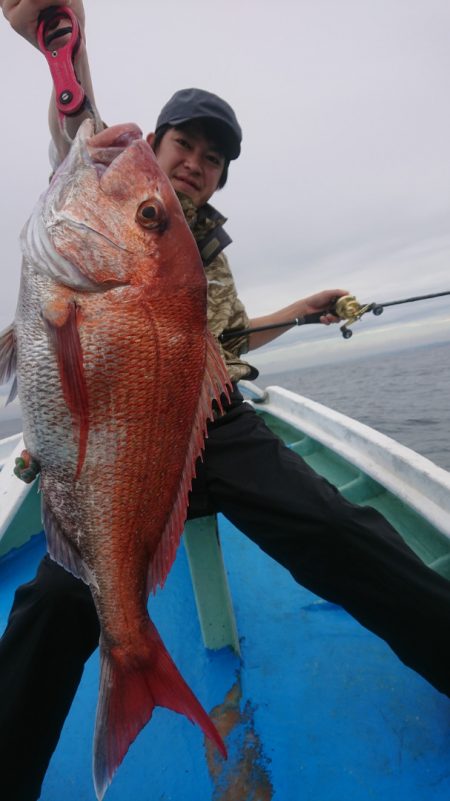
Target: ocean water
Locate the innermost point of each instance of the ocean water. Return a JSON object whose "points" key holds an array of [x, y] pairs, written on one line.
{"points": [[405, 395]]}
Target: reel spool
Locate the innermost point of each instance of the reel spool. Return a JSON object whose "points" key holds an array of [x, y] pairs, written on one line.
{"points": [[348, 309]]}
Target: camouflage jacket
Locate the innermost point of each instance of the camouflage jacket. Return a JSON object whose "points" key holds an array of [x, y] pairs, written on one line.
{"points": [[225, 310]]}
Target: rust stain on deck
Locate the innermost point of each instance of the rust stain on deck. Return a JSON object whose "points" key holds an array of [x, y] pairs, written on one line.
{"points": [[244, 775]]}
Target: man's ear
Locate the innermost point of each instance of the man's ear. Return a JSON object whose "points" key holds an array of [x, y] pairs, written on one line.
{"points": [[150, 139]]}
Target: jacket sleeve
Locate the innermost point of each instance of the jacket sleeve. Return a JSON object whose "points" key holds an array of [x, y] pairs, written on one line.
{"points": [[225, 310]]}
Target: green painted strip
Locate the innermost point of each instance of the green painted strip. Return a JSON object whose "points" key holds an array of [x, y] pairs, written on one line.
{"points": [[428, 543], [210, 584], [361, 489], [25, 524], [442, 565], [305, 447]]}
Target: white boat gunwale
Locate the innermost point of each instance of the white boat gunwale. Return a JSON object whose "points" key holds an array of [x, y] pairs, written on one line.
{"points": [[414, 479]]}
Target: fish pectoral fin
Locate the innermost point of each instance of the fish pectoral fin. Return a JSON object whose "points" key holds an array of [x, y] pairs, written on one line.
{"points": [[8, 360], [62, 551], [130, 688], [62, 325]]}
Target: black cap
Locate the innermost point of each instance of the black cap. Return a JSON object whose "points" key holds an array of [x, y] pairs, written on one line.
{"points": [[196, 104]]}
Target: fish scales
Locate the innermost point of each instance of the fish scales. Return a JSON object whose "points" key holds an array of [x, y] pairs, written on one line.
{"points": [[117, 374]]}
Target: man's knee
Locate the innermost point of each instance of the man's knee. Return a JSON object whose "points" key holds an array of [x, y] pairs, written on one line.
{"points": [[54, 598], [52, 585]]}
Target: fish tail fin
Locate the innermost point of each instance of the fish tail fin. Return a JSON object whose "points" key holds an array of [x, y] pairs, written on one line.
{"points": [[128, 695]]}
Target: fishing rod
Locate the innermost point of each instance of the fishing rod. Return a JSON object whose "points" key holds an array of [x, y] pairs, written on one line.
{"points": [[346, 308]]}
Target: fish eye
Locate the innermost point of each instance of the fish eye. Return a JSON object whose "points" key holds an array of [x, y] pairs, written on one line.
{"points": [[151, 215]]}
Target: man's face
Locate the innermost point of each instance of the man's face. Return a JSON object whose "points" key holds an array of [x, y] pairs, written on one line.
{"points": [[191, 162]]}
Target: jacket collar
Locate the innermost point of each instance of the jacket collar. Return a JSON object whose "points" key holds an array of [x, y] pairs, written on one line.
{"points": [[206, 224]]}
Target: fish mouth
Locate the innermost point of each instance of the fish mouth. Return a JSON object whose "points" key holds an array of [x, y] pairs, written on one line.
{"points": [[105, 147]]}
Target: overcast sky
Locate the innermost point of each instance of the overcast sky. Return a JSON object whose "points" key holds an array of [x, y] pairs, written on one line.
{"points": [[344, 177]]}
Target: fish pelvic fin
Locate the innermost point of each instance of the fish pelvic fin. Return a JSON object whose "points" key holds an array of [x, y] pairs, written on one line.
{"points": [[64, 335], [129, 692], [8, 360], [216, 386]]}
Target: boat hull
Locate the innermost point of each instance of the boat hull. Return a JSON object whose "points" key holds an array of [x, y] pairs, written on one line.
{"points": [[315, 706]]}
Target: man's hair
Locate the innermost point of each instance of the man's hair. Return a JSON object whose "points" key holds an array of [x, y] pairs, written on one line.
{"points": [[210, 130]]}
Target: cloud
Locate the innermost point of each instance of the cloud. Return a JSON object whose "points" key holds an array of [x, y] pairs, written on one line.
{"points": [[344, 174]]}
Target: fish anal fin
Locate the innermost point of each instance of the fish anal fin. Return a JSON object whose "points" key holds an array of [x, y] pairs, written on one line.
{"points": [[62, 324], [216, 386], [8, 359], [129, 692], [62, 550]]}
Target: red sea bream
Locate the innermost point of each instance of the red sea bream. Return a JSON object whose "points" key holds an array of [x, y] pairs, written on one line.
{"points": [[116, 376]]}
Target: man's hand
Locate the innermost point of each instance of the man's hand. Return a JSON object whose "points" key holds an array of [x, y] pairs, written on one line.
{"points": [[323, 301], [320, 302], [23, 15]]}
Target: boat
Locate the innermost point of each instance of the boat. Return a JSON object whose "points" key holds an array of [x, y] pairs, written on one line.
{"points": [[312, 705]]}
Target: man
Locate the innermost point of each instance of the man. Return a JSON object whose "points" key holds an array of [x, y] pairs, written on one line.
{"points": [[347, 554]]}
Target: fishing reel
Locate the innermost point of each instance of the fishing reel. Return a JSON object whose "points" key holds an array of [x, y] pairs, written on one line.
{"points": [[348, 309]]}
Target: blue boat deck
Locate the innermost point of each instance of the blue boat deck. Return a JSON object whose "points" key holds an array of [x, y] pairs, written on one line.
{"points": [[316, 708]]}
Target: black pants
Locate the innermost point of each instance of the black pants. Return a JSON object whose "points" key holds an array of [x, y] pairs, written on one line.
{"points": [[347, 554]]}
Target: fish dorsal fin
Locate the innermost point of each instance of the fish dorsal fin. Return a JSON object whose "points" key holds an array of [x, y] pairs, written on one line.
{"points": [[216, 383], [66, 341], [62, 550], [8, 359]]}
